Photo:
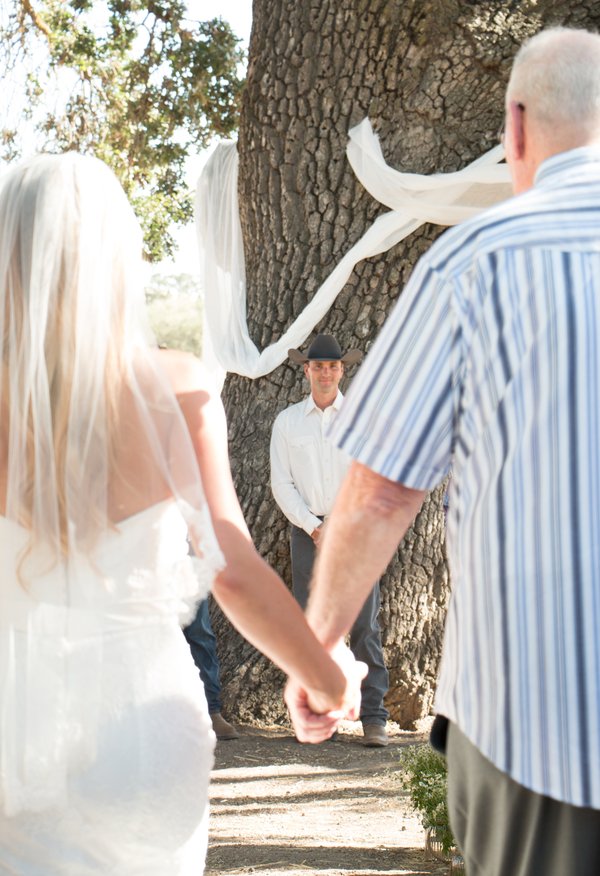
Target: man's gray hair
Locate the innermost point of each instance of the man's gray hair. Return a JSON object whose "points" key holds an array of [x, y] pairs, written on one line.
{"points": [[556, 76]]}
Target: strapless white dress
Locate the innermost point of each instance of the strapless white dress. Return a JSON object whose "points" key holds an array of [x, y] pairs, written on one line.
{"points": [[105, 740]]}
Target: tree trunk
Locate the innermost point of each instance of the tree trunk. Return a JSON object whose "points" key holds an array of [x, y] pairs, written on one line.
{"points": [[431, 77]]}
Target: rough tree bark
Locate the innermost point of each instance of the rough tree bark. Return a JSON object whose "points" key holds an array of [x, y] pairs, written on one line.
{"points": [[430, 74]]}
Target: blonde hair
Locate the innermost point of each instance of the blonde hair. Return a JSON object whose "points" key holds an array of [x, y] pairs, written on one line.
{"points": [[70, 251]]}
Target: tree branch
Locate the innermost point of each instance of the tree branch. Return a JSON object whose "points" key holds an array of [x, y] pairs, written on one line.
{"points": [[37, 21]]}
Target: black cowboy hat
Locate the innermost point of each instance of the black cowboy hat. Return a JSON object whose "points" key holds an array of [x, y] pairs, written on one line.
{"points": [[325, 348]]}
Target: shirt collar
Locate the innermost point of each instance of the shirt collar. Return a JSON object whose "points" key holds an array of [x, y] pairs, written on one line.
{"points": [[556, 167], [309, 404]]}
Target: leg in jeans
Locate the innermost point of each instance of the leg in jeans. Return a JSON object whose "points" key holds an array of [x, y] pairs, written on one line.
{"points": [[203, 646], [365, 638]]}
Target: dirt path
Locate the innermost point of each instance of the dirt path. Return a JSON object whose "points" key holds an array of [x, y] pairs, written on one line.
{"points": [[336, 809]]}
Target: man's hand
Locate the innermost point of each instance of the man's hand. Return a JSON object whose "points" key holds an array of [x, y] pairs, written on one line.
{"points": [[309, 726], [314, 715], [316, 534]]}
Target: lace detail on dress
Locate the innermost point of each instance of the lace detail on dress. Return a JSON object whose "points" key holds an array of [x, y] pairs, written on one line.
{"points": [[50, 663], [52, 654]]}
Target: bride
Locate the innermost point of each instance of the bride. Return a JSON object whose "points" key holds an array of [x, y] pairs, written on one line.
{"points": [[112, 454]]}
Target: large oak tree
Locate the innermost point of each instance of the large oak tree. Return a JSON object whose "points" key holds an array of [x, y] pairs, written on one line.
{"points": [[431, 75]]}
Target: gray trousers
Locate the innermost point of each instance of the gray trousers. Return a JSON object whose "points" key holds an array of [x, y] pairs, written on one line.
{"points": [[365, 636], [503, 829]]}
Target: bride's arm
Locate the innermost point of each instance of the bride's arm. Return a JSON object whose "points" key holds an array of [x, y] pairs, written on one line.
{"points": [[250, 593]]}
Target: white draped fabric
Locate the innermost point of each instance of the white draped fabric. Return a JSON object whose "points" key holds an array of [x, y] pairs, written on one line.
{"points": [[413, 199]]}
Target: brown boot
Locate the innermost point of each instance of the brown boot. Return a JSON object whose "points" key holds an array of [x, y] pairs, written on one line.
{"points": [[223, 729], [375, 736]]}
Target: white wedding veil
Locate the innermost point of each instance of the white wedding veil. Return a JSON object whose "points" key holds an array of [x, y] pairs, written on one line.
{"points": [[89, 427]]}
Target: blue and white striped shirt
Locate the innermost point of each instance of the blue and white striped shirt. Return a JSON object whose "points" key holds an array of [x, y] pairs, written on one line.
{"points": [[490, 366]]}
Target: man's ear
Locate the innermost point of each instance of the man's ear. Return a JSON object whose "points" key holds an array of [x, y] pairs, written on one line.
{"points": [[516, 130], [305, 367]]}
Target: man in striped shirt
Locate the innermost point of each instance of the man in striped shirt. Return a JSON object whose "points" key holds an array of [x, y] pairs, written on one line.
{"points": [[490, 366]]}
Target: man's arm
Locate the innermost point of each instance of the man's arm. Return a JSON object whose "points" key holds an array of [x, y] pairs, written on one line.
{"points": [[250, 593], [370, 517], [282, 484]]}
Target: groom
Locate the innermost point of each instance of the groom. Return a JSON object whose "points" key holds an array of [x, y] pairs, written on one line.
{"points": [[306, 472]]}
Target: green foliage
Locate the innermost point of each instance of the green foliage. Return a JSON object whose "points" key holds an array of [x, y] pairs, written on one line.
{"points": [[425, 778], [141, 85], [175, 311]]}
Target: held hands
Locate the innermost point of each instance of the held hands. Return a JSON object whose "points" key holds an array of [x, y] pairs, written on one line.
{"points": [[316, 714]]}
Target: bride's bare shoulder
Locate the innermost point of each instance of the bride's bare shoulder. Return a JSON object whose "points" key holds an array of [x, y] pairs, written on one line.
{"points": [[186, 372]]}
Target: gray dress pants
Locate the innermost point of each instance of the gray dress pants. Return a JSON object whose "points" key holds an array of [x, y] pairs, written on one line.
{"points": [[503, 829], [365, 636]]}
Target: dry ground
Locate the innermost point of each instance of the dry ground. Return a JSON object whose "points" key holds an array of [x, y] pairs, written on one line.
{"points": [[335, 809]]}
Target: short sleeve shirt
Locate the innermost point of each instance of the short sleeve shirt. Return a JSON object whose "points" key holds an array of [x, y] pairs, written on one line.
{"points": [[489, 366]]}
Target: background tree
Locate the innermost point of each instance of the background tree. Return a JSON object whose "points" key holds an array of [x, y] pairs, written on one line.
{"points": [[139, 84], [431, 75]]}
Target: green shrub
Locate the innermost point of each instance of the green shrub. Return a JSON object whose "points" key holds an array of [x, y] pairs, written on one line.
{"points": [[425, 778]]}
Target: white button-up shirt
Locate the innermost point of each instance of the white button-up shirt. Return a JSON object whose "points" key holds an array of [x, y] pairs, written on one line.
{"points": [[306, 468]]}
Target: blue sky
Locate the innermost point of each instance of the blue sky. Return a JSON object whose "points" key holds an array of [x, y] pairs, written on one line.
{"points": [[237, 12]]}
